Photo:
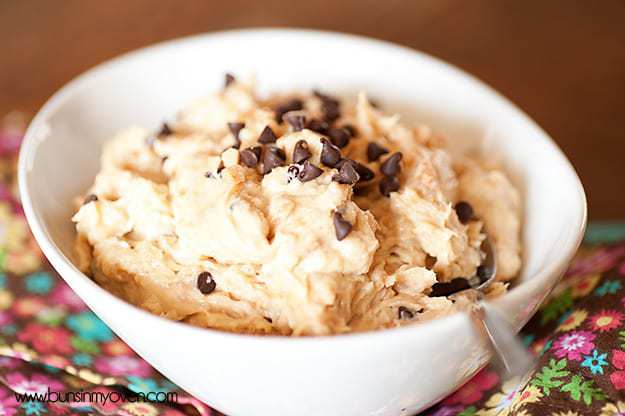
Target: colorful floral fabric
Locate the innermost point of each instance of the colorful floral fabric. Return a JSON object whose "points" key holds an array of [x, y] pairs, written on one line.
{"points": [[50, 341]]}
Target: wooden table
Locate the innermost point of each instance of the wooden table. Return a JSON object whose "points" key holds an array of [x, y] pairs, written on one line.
{"points": [[563, 62]]}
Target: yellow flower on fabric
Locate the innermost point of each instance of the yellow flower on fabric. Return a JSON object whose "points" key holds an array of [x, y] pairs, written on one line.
{"points": [[572, 321], [6, 299], [584, 285], [21, 252], [613, 409], [530, 394], [140, 409], [18, 350], [499, 403]]}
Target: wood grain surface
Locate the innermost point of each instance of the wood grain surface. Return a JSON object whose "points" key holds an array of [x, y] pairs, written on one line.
{"points": [[563, 62]]}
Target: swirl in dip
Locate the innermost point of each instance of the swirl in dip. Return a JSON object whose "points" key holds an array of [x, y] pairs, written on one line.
{"points": [[294, 215]]}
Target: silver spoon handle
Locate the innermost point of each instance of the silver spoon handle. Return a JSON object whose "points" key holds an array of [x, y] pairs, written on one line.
{"points": [[511, 357]]}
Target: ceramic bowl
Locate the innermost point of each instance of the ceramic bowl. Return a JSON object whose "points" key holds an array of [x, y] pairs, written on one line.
{"points": [[389, 372]]}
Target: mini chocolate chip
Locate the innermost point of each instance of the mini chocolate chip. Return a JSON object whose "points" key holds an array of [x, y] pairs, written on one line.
{"points": [[165, 131], [391, 166], [430, 261], [267, 136], [229, 79], [209, 175], [268, 319], [483, 273], [325, 98], [296, 121], [292, 105], [361, 190], [464, 210], [373, 103], [292, 172], [317, 125], [374, 151], [404, 313], [273, 157], [90, 198], [164, 159], [365, 173], [250, 156], [331, 111], [447, 288], [389, 184], [347, 174], [330, 106], [341, 227], [351, 130], [235, 129], [205, 283], [301, 152], [330, 154], [220, 167], [162, 133], [309, 172], [340, 137]]}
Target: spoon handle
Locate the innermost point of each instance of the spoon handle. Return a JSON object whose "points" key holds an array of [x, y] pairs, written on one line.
{"points": [[511, 357]]}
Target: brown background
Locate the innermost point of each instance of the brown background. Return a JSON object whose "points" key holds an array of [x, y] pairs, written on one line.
{"points": [[563, 62]]}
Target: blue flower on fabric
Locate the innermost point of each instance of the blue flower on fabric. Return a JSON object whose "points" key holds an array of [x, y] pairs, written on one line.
{"points": [[3, 280], [50, 369], [546, 347], [89, 327], [595, 362], [82, 359], [34, 408], [609, 286], [40, 283], [10, 329], [565, 316], [528, 339], [145, 385]]}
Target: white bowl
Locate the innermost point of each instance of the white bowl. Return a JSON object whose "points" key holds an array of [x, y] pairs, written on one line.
{"points": [[390, 372]]}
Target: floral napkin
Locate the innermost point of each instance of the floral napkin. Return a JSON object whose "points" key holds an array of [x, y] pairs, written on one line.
{"points": [[52, 344]]}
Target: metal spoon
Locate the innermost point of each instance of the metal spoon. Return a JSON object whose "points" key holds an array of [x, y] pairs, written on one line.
{"points": [[511, 357]]}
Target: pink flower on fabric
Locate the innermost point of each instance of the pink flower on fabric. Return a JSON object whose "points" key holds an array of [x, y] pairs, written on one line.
{"points": [[56, 361], [10, 142], [604, 259], [116, 347], [37, 383], [57, 409], [574, 344], [28, 306], [8, 404], [618, 377], [5, 319], [474, 390], [605, 320], [64, 295], [122, 365], [9, 363], [109, 407], [47, 339]]}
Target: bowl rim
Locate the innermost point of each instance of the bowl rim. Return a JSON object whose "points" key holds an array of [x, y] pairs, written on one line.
{"points": [[66, 267]]}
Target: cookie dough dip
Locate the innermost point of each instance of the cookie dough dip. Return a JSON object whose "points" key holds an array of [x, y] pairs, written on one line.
{"points": [[295, 214]]}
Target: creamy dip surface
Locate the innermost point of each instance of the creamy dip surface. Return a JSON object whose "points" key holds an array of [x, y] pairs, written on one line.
{"points": [[297, 214]]}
